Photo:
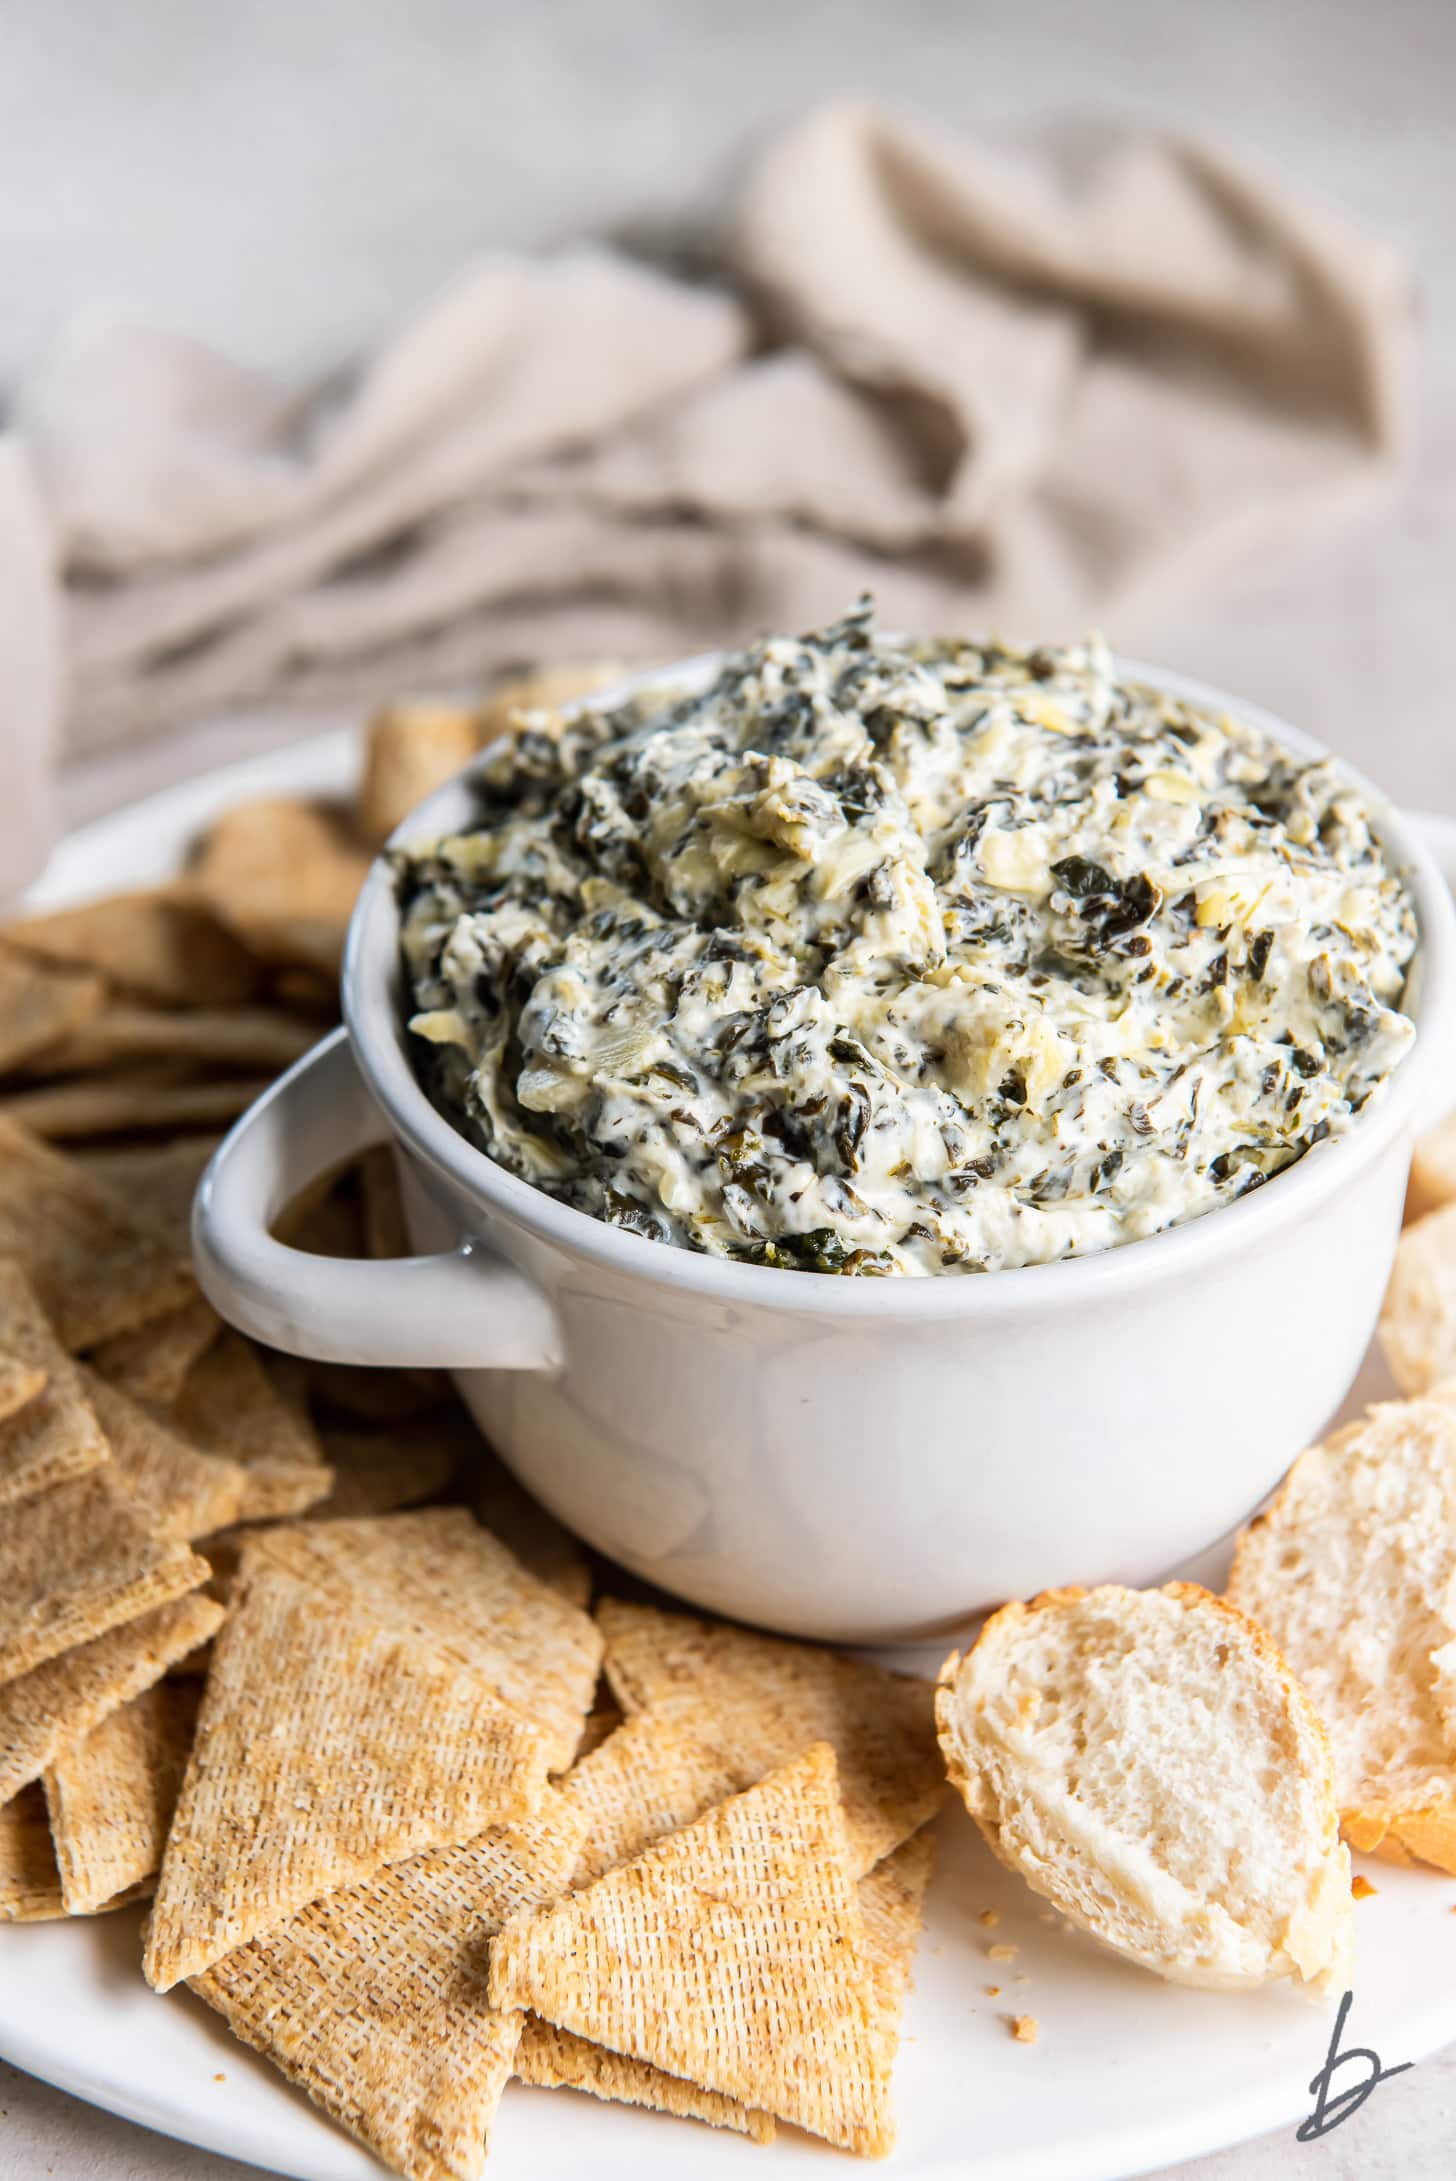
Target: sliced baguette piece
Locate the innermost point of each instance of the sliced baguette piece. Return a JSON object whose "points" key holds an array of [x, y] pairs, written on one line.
{"points": [[1146, 1761], [1418, 1316], [1433, 1170], [1351, 1570]]}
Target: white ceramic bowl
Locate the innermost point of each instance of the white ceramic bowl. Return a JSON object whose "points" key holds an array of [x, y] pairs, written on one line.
{"points": [[864, 1460]]}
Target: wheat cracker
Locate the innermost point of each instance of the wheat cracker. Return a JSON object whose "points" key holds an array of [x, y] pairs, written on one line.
{"points": [[75, 1562], [437, 1576], [767, 1698], [162, 943], [374, 2000], [730, 1954], [41, 1007], [45, 1713], [328, 1746], [96, 1268], [152, 1362], [230, 1406], [178, 1489], [30, 1884], [110, 1797]]}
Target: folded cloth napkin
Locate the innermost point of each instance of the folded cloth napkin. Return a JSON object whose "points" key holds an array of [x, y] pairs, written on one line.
{"points": [[1032, 386]]}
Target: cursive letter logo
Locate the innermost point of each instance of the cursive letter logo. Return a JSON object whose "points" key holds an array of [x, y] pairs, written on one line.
{"points": [[1330, 2111]]}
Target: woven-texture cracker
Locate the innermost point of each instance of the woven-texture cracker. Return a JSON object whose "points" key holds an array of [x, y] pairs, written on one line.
{"points": [[437, 1575], [767, 1698], [892, 1903], [1418, 1316], [152, 1361], [652, 1776], [45, 1712], [284, 876], [156, 1181], [97, 1269], [74, 1562], [731, 1954], [177, 1489], [212, 1037], [41, 1006], [99, 1105], [30, 1884], [649, 1778], [328, 1746], [375, 2000], [55, 1434], [111, 1796], [548, 2058], [230, 1406], [161, 943]]}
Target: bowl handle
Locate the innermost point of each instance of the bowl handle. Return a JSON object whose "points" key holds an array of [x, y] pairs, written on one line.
{"points": [[462, 1308]]}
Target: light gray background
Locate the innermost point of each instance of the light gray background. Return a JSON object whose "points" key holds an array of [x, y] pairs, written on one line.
{"points": [[288, 180]]}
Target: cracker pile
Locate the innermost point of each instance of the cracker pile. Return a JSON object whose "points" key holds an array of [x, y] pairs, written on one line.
{"points": [[286, 1651]]}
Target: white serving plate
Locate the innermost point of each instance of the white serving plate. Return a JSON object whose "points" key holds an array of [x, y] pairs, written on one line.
{"points": [[1127, 2074]]}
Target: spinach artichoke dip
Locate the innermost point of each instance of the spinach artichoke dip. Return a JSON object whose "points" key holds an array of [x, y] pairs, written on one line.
{"points": [[904, 957]]}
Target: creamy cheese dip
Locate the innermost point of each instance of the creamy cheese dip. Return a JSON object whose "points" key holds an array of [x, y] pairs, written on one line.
{"points": [[905, 957]]}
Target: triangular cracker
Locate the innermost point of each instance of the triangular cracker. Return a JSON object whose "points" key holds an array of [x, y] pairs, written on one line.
{"points": [[214, 1037], [162, 943], [285, 876], [111, 1796], [177, 1489], [30, 1884], [374, 2000], [437, 1575], [43, 1713], [892, 1903], [156, 1182], [96, 1269], [730, 1954], [40, 1007], [152, 1361], [54, 1435], [229, 1406], [142, 1098], [761, 1699], [548, 2058], [74, 1562], [329, 1745], [650, 1778]]}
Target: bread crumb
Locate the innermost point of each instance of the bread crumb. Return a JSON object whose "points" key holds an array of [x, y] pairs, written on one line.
{"points": [[1001, 1953], [1361, 1887], [1023, 2028], [990, 1917], [993, 1991]]}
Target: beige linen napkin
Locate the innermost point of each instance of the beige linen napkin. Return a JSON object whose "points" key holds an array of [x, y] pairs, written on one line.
{"points": [[1027, 385]]}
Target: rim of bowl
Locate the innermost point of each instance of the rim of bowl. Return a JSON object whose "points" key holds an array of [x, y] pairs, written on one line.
{"points": [[371, 994]]}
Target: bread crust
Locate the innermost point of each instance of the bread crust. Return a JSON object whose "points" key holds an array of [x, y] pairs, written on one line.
{"points": [[1421, 1831], [1317, 1944]]}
